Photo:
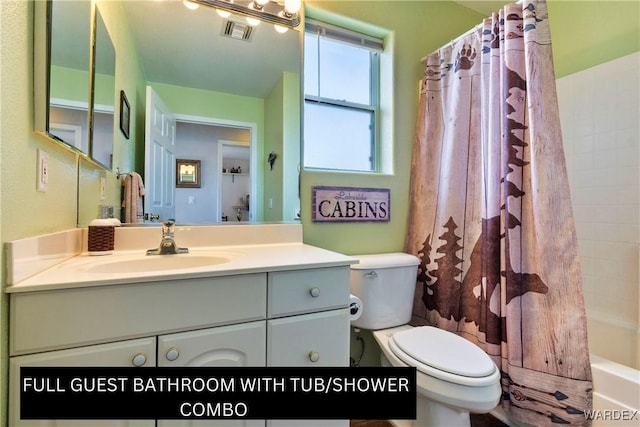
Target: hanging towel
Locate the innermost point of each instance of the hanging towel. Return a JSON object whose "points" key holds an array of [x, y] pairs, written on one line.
{"points": [[132, 197]]}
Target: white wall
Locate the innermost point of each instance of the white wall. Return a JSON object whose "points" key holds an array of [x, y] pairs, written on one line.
{"points": [[200, 142], [599, 110]]}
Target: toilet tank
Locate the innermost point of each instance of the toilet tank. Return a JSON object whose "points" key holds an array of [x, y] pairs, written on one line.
{"points": [[385, 283]]}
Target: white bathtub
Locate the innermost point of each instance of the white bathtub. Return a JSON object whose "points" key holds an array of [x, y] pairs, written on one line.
{"points": [[616, 394], [616, 384]]}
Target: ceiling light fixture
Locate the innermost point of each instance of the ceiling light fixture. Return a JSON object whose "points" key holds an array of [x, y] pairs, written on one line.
{"points": [[286, 14]]}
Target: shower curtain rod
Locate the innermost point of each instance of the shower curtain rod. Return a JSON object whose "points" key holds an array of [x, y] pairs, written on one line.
{"points": [[424, 58]]}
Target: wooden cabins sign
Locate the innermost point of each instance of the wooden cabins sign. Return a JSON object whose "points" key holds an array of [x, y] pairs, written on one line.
{"points": [[350, 204]]}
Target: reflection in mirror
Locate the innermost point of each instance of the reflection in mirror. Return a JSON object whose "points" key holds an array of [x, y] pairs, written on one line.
{"points": [[68, 97], [205, 73], [222, 70], [103, 95]]}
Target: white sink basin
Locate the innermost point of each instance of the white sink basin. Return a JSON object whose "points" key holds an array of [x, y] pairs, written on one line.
{"points": [[157, 263]]}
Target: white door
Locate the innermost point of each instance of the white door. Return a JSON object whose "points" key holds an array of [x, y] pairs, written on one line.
{"points": [[159, 158]]}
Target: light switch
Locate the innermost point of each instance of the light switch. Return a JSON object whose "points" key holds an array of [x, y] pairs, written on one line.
{"points": [[103, 188], [42, 178]]}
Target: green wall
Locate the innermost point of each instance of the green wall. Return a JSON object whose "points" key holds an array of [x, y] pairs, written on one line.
{"points": [[411, 30], [584, 34], [68, 83], [273, 142], [130, 78], [588, 33], [282, 109]]}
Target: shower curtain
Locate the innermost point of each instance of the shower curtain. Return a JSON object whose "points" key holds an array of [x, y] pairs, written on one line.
{"points": [[490, 215]]}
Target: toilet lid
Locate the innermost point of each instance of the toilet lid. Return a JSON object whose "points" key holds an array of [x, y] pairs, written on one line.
{"points": [[445, 351]]}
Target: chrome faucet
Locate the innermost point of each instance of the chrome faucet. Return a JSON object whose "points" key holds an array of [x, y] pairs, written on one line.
{"points": [[168, 244]]}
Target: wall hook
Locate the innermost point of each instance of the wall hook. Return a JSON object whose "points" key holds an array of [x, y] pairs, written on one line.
{"points": [[271, 159]]}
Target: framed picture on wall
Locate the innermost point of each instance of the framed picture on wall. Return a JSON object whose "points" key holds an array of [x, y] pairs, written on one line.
{"points": [[187, 173], [125, 113]]}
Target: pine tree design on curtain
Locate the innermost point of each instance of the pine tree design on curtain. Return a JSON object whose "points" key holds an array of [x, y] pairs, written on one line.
{"points": [[490, 216], [447, 288]]}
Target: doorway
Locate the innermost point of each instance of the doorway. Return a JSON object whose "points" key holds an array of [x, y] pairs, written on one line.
{"points": [[227, 179]]}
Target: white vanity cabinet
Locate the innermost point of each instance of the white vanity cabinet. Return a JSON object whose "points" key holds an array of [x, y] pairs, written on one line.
{"points": [[297, 317]]}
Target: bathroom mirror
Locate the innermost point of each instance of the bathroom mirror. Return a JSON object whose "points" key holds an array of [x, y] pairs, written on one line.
{"points": [[104, 87], [217, 72], [174, 46], [62, 36]]}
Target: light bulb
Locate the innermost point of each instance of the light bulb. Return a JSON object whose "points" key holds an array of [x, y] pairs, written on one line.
{"points": [[280, 28], [253, 21], [292, 6], [190, 5]]}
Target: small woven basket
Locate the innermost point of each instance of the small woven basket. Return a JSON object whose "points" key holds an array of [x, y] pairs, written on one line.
{"points": [[101, 238]]}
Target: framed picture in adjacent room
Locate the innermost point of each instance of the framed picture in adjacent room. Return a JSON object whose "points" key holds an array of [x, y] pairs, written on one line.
{"points": [[187, 173]]}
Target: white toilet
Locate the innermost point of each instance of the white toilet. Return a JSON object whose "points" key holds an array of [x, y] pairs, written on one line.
{"points": [[454, 376]]}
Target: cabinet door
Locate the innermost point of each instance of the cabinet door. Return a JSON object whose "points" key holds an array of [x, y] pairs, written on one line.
{"points": [[321, 339], [114, 354], [234, 345]]}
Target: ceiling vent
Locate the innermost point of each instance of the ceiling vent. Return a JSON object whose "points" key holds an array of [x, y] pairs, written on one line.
{"points": [[237, 30]]}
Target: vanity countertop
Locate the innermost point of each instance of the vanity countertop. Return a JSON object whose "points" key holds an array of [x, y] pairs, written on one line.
{"points": [[61, 260], [85, 270]]}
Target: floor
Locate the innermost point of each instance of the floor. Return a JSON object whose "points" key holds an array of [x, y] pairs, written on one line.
{"points": [[476, 421]]}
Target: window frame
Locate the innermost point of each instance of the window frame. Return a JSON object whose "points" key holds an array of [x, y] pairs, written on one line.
{"points": [[375, 47]]}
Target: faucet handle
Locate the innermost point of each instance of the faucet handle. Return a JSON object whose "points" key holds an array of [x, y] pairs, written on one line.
{"points": [[168, 227]]}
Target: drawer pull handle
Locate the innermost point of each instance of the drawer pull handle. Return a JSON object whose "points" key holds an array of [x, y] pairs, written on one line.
{"points": [[139, 359], [172, 354], [371, 275], [315, 292], [314, 356]]}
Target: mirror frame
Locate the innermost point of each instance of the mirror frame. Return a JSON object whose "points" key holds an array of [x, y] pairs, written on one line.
{"points": [[42, 28], [93, 55]]}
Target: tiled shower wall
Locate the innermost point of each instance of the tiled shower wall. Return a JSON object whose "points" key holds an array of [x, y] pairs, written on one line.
{"points": [[600, 117]]}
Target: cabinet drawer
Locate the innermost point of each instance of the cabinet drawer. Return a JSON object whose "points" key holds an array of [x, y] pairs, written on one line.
{"points": [[318, 339], [305, 291], [74, 317]]}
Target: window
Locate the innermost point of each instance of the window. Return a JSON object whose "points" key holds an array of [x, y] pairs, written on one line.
{"points": [[341, 86]]}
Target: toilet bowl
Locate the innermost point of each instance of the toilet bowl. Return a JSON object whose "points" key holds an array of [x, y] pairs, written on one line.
{"points": [[454, 376]]}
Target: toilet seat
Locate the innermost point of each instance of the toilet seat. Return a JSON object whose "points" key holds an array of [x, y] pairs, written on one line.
{"points": [[444, 355]]}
